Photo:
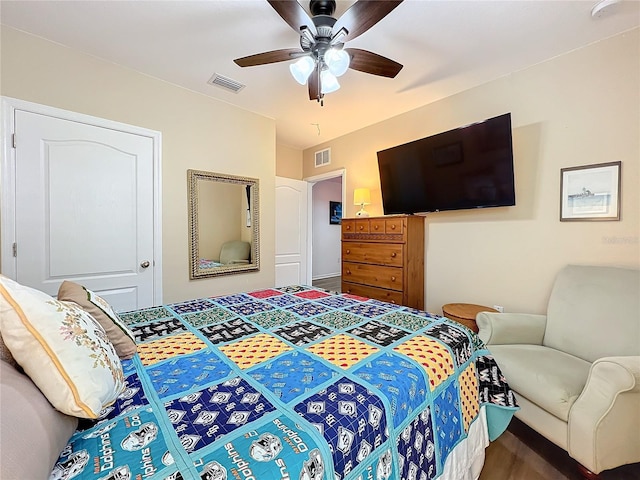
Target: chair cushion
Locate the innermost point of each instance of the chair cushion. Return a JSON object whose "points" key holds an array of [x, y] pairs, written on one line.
{"points": [[551, 379]]}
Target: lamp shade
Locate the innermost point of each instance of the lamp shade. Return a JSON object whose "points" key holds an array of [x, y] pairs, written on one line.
{"points": [[337, 61], [302, 69], [328, 82], [362, 196]]}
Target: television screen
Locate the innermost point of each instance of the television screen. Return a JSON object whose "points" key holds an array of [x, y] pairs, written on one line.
{"points": [[468, 167]]}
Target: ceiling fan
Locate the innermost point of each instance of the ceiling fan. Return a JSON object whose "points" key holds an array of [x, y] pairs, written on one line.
{"points": [[322, 56]]}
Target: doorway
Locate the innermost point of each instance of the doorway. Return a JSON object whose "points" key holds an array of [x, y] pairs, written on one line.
{"points": [[327, 202]]}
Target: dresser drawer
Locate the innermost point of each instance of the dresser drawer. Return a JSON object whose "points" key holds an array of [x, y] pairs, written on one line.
{"points": [[374, 229], [376, 225], [390, 296], [377, 253], [374, 275], [355, 225], [348, 225], [394, 225], [362, 226]]}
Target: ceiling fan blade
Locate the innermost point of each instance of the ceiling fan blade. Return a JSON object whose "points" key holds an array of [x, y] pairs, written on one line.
{"points": [[273, 56], [314, 85], [369, 62], [363, 15], [292, 13]]}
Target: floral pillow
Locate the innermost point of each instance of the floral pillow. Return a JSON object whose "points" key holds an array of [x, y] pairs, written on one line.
{"points": [[62, 348], [118, 333]]}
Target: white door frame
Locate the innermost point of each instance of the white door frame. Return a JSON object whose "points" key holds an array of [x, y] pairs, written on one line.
{"points": [[342, 172], [8, 263]]}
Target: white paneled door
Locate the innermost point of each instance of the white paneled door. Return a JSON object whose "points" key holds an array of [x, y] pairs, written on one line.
{"points": [[292, 249], [84, 208]]}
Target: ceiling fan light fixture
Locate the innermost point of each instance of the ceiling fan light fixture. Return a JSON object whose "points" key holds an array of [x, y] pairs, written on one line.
{"points": [[329, 82], [301, 69], [337, 60], [322, 56]]}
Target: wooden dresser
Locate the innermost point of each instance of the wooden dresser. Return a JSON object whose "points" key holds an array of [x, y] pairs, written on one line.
{"points": [[383, 258]]}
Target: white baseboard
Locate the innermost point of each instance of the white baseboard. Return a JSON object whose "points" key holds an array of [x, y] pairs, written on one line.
{"points": [[326, 275]]}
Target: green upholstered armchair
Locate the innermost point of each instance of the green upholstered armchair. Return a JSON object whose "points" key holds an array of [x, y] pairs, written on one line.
{"points": [[235, 252], [576, 370]]}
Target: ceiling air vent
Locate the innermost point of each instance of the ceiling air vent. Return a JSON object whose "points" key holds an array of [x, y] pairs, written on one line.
{"points": [[323, 157], [226, 83]]}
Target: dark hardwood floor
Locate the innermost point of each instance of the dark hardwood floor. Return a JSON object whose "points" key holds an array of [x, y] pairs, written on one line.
{"points": [[521, 453], [331, 283]]}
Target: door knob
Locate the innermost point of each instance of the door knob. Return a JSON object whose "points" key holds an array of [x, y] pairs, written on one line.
{"points": [[145, 264]]}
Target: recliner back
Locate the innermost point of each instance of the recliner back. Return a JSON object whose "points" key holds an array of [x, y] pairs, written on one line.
{"points": [[594, 312], [235, 250]]}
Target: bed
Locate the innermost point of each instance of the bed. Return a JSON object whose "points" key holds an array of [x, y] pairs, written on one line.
{"points": [[205, 263], [295, 383]]}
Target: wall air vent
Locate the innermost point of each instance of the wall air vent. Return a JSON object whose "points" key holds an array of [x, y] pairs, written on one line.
{"points": [[226, 83], [323, 157]]}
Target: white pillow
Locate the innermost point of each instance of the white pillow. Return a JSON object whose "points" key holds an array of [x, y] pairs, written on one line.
{"points": [[62, 348]]}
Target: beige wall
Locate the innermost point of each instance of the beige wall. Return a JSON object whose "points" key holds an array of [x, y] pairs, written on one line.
{"points": [[197, 132], [288, 162], [577, 109]]}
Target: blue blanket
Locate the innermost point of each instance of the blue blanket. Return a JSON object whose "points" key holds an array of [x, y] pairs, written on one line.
{"points": [[290, 383]]}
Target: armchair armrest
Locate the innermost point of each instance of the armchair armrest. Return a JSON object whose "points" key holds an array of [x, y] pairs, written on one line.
{"points": [[604, 422], [511, 328]]}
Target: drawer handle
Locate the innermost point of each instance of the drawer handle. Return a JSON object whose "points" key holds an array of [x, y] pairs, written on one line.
{"points": [[376, 227], [348, 272], [348, 252], [393, 279], [361, 227], [393, 227], [393, 255]]}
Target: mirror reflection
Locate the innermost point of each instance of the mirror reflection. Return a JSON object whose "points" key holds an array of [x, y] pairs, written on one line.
{"points": [[223, 224]]}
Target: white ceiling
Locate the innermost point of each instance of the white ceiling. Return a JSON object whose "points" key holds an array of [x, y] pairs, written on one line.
{"points": [[445, 46]]}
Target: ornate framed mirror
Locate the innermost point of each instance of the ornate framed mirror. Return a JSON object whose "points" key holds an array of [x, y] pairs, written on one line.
{"points": [[223, 224]]}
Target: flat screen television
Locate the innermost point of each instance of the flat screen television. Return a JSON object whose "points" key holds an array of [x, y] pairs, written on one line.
{"points": [[467, 167]]}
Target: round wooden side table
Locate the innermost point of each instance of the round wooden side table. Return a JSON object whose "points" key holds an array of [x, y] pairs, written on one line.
{"points": [[465, 313]]}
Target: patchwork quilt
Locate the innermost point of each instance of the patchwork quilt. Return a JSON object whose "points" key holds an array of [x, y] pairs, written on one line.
{"points": [[205, 263], [290, 383]]}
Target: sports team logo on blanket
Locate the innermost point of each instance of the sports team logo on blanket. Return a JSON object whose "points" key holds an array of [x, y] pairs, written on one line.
{"points": [[128, 447], [352, 420], [281, 443], [202, 417]]}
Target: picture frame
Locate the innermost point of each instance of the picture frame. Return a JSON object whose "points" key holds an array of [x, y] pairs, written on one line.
{"points": [[335, 213], [590, 192]]}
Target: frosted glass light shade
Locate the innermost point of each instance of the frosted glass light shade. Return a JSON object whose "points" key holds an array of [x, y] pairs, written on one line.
{"points": [[302, 69], [328, 81], [337, 61], [361, 196]]}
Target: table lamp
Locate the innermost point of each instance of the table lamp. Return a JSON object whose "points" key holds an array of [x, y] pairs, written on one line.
{"points": [[362, 197]]}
